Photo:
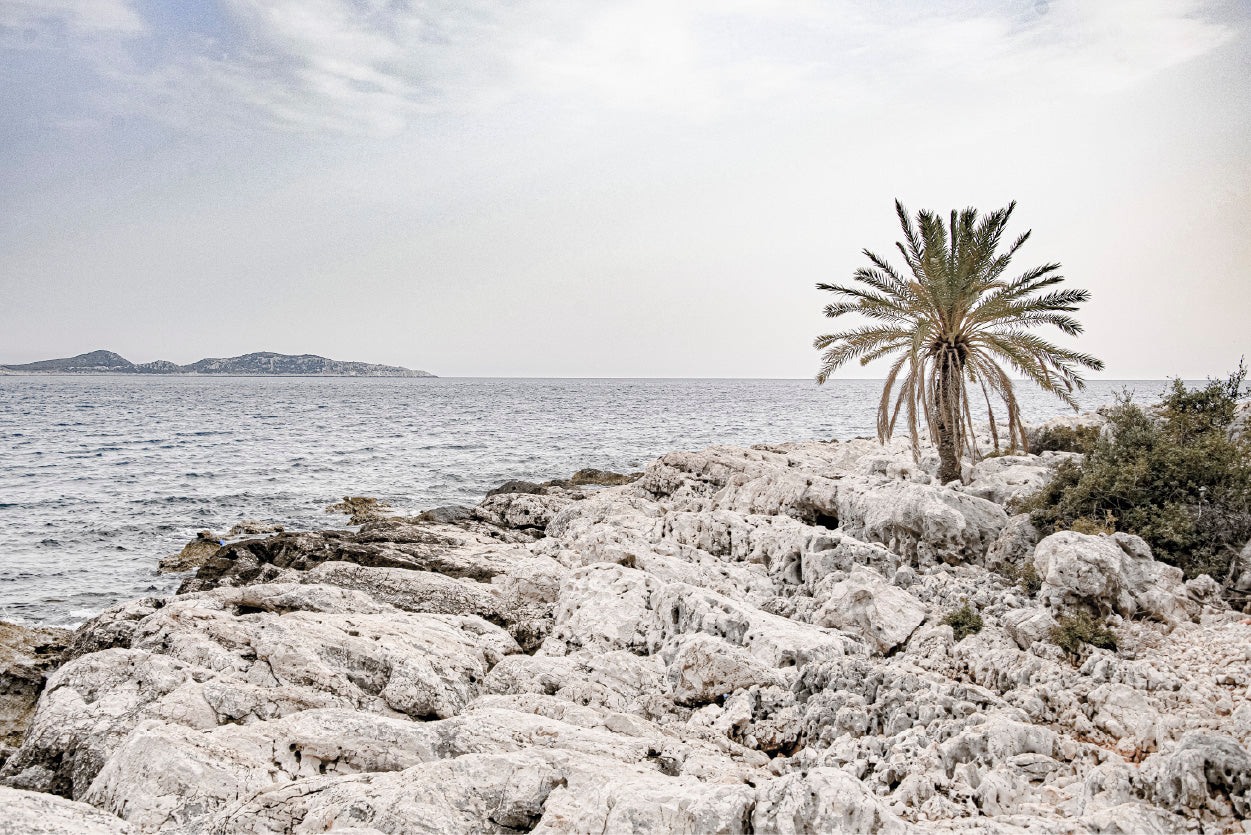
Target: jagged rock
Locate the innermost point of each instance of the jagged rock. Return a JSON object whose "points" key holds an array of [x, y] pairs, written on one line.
{"points": [[36, 813], [252, 653], [1014, 545], [867, 605], [1029, 626], [1004, 478], [452, 514], [602, 478], [514, 486], [823, 800], [193, 555], [602, 606], [412, 591], [1112, 573], [360, 509], [920, 521], [741, 639], [251, 527], [165, 772], [1204, 772], [703, 668], [389, 543], [520, 510], [28, 655], [824, 554], [112, 628]]}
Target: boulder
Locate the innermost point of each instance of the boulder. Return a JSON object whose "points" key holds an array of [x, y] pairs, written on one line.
{"points": [[193, 555], [866, 605], [360, 509], [602, 607], [1112, 574], [602, 478], [704, 668], [28, 654], [515, 486], [1014, 545], [520, 510], [1205, 772], [450, 514], [1029, 626], [822, 800], [36, 813], [922, 522], [1007, 477], [251, 527]]}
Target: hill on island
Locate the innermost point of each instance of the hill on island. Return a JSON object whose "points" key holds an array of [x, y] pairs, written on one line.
{"points": [[262, 363]]}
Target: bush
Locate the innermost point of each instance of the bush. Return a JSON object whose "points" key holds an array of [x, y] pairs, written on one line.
{"points": [[1070, 633], [1066, 439], [1024, 575], [1172, 475], [964, 621], [1084, 524]]}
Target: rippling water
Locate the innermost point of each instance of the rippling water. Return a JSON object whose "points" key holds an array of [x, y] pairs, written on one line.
{"points": [[101, 476]]}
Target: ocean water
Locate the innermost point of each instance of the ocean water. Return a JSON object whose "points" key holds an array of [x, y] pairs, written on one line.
{"points": [[102, 476]]}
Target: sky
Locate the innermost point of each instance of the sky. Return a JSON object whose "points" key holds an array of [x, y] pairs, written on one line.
{"points": [[541, 188]]}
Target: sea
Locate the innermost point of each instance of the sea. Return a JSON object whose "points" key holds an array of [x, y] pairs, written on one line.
{"points": [[101, 476]]}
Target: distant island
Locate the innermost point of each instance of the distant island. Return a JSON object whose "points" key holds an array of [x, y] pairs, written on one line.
{"points": [[260, 364]]}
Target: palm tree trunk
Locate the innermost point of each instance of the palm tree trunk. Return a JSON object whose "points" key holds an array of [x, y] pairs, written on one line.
{"points": [[946, 388]]}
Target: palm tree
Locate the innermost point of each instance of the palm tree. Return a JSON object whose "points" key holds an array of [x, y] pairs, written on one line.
{"points": [[955, 321]]}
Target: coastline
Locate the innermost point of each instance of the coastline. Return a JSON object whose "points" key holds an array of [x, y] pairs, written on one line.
{"points": [[162, 374], [741, 635]]}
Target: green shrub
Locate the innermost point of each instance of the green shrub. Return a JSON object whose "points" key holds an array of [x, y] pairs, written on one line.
{"points": [[1084, 524], [1024, 575], [964, 621], [1070, 633], [1172, 475], [1067, 439]]}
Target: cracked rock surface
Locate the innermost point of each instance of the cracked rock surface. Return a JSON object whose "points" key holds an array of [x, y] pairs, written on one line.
{"points": [[739, 640]]}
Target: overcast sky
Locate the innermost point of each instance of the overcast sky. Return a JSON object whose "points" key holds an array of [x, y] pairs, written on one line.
{"points": [[604, 189]]}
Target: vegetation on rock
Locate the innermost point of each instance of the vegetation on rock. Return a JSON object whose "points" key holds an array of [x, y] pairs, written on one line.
{"points": [[964, 621], [955, 322], [1066, 439], [1172, 475], [1025, 575], [1071, 633]]}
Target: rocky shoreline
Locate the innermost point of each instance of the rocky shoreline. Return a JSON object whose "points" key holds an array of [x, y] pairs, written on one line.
{"points": [[738, 639]]}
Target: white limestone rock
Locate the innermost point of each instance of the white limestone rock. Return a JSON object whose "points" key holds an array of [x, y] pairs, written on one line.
{"points": [[1204, 772], [602, 607], [1007, 477], [255, 652], [36, 813], [823, 800], [703, 668], [921, 522], [1029, 626], [521, 510], [1014, 545], [1114, 573], [867, 605], [412, 591]]}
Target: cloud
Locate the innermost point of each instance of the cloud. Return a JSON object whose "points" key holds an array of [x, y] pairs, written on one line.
{"points": [[82, 16], [373, 66]]}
